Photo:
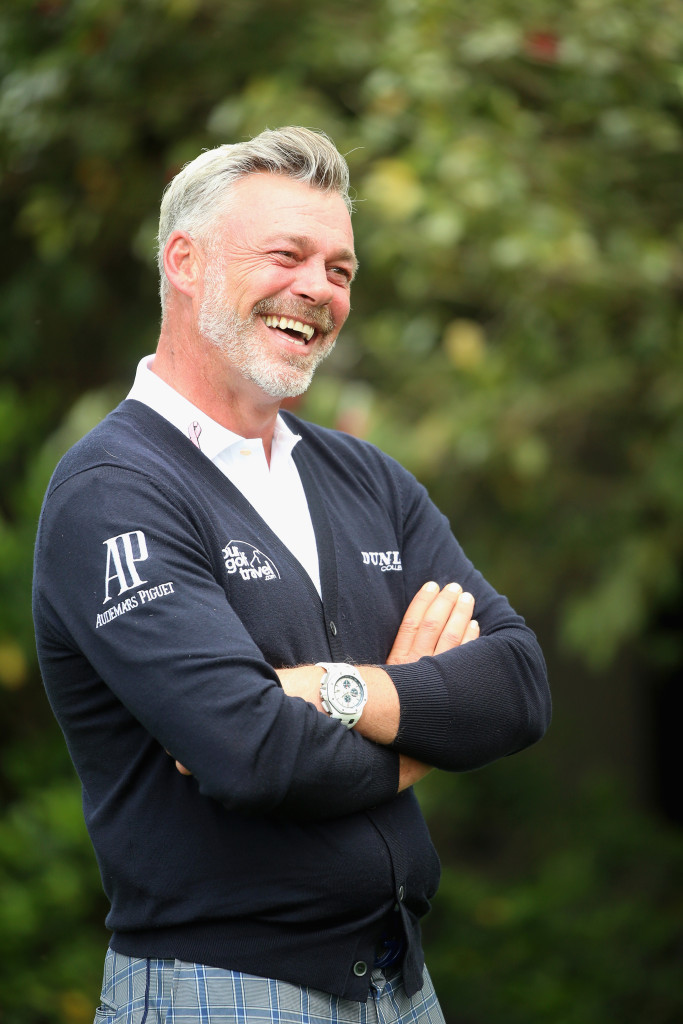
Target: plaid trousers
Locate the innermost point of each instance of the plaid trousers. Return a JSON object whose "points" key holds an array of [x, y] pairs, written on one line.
{"points": [[145, 991]]}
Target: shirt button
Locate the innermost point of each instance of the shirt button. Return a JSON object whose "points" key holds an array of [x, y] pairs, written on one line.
{"points": [[333, 631], [360, 968]]}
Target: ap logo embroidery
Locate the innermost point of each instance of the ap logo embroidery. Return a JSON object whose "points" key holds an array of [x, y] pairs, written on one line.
{"points": [[123, 554]]}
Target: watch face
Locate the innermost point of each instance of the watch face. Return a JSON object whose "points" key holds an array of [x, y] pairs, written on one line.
{"points": [[346, 693]]}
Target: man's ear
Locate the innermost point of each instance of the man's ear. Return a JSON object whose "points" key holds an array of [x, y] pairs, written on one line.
{"points": [[182, 263]]}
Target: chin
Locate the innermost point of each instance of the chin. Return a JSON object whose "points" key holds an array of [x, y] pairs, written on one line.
{"points": [[285, 380], [288, 388]]}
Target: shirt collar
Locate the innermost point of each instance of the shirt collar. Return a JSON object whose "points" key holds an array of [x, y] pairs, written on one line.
{"points": [[208, 435]]}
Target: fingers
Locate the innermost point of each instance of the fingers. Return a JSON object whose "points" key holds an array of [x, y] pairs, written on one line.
{"points": [[179, 767], [460, 627], [401, 650], [440, 615], [471, 633], [435, 621]]}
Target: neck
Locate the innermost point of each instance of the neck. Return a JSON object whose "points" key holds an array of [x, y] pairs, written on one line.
{"points": [[196, 371]]}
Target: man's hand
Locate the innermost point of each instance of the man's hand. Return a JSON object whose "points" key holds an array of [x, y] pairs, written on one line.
{"points": [[303, 681], [410, 772], [435, 621]]}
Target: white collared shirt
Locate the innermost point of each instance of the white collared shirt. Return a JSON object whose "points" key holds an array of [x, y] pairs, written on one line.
{"points": [[276, 492]]}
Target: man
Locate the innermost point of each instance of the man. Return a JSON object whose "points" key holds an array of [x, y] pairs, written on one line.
{"points": [[203, 562]]}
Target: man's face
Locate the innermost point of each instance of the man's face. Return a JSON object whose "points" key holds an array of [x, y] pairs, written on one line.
{"points": [[277, 282]]}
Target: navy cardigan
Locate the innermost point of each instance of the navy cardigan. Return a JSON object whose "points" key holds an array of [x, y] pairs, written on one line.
{"points": [[162, 602]]}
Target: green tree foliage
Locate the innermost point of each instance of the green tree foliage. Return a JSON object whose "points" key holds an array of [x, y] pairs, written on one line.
{"points": [[581, 926], [515, 340]]}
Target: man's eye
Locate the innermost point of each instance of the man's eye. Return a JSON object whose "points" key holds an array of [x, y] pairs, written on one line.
{"points": [[341, 272]]}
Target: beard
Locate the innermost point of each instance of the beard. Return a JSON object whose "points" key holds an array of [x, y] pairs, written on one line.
{"points": [[280, 374]]}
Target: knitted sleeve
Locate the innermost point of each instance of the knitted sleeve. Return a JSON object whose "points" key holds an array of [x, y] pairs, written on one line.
{"points": [[489, 698], [134, 630]]}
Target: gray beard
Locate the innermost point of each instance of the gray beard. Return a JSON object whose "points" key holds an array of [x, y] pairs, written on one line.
{"points": [[282, 376]]}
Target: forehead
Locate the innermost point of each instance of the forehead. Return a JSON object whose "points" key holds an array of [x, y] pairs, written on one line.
{"points": [[266, 206]]}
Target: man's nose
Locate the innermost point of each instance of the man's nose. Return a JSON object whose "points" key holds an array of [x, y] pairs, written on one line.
{"points": [[312, 283]]}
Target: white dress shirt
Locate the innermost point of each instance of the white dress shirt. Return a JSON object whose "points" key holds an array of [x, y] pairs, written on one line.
{"points": [[275, 491]]}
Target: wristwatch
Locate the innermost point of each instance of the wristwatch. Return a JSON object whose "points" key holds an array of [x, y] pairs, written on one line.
{"points": [[343, 692]]}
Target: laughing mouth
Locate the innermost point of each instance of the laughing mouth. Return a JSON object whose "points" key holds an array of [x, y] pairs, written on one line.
{"points": [[298, 332]]}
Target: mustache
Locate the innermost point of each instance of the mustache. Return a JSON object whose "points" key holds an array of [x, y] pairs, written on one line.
{"points": [[318, 316]]}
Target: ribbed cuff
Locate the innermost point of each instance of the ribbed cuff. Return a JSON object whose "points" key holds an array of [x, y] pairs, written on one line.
{"points": [[425, 725]]}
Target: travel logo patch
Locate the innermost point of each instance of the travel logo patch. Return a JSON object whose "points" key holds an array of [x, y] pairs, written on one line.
{"points": [[386, 561], [248, 561]]}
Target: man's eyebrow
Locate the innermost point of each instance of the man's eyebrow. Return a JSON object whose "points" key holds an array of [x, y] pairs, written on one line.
{"points": [[303, 242]]}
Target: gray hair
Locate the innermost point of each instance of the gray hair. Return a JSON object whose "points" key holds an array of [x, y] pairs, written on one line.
{"points": [[202, 189]]}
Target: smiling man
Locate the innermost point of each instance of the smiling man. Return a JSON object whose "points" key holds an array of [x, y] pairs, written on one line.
{"points": [[282, 610]]}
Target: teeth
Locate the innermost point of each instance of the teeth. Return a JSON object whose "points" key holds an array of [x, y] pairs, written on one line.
{"points": [[283, 323]]}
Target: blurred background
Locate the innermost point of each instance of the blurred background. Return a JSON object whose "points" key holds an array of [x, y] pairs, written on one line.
{"points": [[516, 341]]}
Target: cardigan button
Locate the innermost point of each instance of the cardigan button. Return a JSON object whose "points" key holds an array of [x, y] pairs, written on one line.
{"points": [[360, 968], [333, 628], [401, 893]]}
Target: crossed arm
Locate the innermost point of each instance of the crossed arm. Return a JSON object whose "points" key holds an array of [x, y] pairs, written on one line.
{"points": [[435, 621]]}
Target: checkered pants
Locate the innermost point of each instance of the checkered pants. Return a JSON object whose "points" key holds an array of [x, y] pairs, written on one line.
{"points": [[140, 991]]}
